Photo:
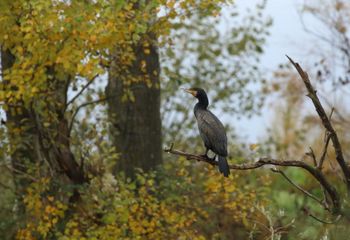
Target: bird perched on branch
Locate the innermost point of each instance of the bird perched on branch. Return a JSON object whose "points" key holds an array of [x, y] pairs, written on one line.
{"points": [[211, 130]]}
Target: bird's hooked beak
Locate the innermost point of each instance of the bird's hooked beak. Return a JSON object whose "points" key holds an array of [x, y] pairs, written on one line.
{"points": [[193, 92]]}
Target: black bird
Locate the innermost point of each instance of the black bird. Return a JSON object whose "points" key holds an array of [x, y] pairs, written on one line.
{"points": [[211, 129]]}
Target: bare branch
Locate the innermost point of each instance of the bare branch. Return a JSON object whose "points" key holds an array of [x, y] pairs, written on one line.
{"points": [[324, 152], [269, 161], [325, 121], [82, 90], [79, 108], [27, 175], [307, 211], [313, 33], [339, 115], [331, 114], [327, 139], [301, 189], [312, 155]]}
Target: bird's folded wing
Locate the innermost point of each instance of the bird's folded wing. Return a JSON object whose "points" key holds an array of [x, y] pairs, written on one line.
{"points": [[213, 132]]}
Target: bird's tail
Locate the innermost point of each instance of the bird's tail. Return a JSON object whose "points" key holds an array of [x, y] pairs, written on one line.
{"points": [[223, 166]]}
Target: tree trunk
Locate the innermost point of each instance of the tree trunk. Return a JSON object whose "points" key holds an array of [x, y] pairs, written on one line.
{"points": [[62, 153], [22, 137], [136, 122]]}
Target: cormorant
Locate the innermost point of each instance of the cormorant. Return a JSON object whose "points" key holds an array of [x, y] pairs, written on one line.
{"points": [[211, 129]]}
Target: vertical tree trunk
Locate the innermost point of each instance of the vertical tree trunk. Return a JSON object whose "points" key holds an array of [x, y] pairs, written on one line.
{"points": [[22, 137], [136, 124]]}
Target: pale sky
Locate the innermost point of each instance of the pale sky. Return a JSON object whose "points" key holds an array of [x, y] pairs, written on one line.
{"points": [[287, 36]]}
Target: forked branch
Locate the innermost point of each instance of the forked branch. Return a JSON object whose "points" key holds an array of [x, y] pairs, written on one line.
{"points": [[79, 108], [325, 121], [82, 90]]}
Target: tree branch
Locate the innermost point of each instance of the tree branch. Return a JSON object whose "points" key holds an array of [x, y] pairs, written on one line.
{"points": [[79, 108], [324, 152], [327, 139], [269, 161], [82, 90], [301, 189], [25, 174], [307, 212], [312, 155], [325, 121]]}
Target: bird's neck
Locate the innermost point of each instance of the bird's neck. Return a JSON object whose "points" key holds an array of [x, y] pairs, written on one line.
{"points": [[203, 102]]}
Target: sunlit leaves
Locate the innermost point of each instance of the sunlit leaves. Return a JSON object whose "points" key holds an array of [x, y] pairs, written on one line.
{"points": [[68, 37], [178, 202], [45, 212]]}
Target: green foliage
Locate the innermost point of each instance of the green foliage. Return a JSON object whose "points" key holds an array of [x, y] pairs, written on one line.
{"points": [[7, 202], [218, 55], [64, 38], [55, 40]]}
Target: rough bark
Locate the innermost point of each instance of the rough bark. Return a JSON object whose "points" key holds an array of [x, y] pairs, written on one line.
{"points": [[62, 153], [136, 124]]}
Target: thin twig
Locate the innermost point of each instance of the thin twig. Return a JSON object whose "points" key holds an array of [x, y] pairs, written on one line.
{"points": [[307, 211], [327, 139], [301, 189], [331, 114], [79, 108], [324, 152], [336, 171], [312, 155], [82, 90], [339, 115], [13, 169]]}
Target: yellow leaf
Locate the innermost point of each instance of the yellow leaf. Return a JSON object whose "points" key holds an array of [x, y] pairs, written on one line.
{"points": [[254, 146], [93, 38], [34, 90]]}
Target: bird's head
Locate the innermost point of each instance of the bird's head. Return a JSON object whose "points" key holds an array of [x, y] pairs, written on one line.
{"points": [[201, 95], [196, 92]]}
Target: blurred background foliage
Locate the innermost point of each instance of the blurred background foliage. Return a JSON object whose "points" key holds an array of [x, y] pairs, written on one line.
{"points": [[200, 43], [222, 54]]}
